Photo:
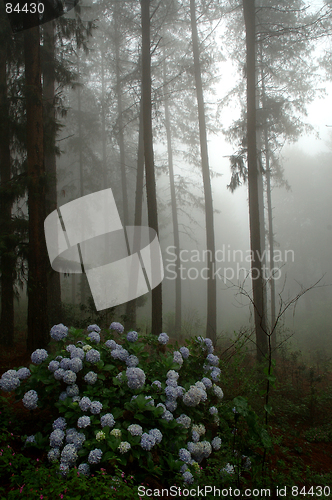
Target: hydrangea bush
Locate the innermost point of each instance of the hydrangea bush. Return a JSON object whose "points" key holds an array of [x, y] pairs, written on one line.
{"points": [[123, 399]]}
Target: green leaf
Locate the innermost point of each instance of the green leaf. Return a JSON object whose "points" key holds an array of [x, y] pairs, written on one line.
{"points": [[268, 409]]}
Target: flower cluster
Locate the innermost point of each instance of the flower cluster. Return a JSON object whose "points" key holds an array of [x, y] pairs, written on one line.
{"points": [[38, 356], [30, 399], [117, 327], [136, 378], [59, 332], [132, 336], [90, 426]]}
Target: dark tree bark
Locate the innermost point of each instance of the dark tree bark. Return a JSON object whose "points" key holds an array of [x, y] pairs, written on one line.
{"points": [[8, 259], [83, 280], [254, 216], [117, 39], [156, 327], [132, 304], [37, 255], [53, 286], [211, 326], [178, 308]]}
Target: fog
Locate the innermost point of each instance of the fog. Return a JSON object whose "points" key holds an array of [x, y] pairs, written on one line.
{"points": [[106, 78]]}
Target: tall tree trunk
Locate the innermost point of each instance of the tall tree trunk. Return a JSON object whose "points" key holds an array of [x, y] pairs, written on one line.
{"points": [[211, 325], [37, 277], [83, 281], [132, 304], [8, 253], [117, 37], [151, 194], [54, 286], [254, 216], [103, 122], [173, 206], [271, 241]]}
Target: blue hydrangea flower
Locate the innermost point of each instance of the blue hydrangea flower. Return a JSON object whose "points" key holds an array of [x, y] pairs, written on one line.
{"points": [[95, 456], [207, 382], [59, 423], [218, 391], [157, 435], [76, 439], [157, 383], [91, 378], [184, 455], [172, 374], [65, 363], [132, 336], [177, 357], [163, 338], [73, 390], [171, 393], [9, 382], [184, 420], [215, 374], [209, 345], [77, 353], [107, 420], [30, 399], [85, 403], [180, 391], [94, 337], [94, 328], [69, 454], [167, 415], [23, 373], [172, 382], [70, 347], [83, 422], [147, 441], [84, 469], [117, 327], [69, 377], [53, 455], [38, 356], [63, 396], [120, 353], [96, 407], [212, 359], [64, 468], [195, 436], [111, 344], [59, 373], [75, 365], [53, 365], [213, 410], [136, 378], [56, 438], [216, 443], [188, 477], [93, 356], [132, 361], [135, 430], [30, 439], [59, 332], [184, 352]]}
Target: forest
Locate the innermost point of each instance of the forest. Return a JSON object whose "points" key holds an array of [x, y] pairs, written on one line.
{"points": [[165, 237]]}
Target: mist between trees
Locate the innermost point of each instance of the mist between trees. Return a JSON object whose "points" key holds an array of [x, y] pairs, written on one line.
{"points": [[131, 96]]}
